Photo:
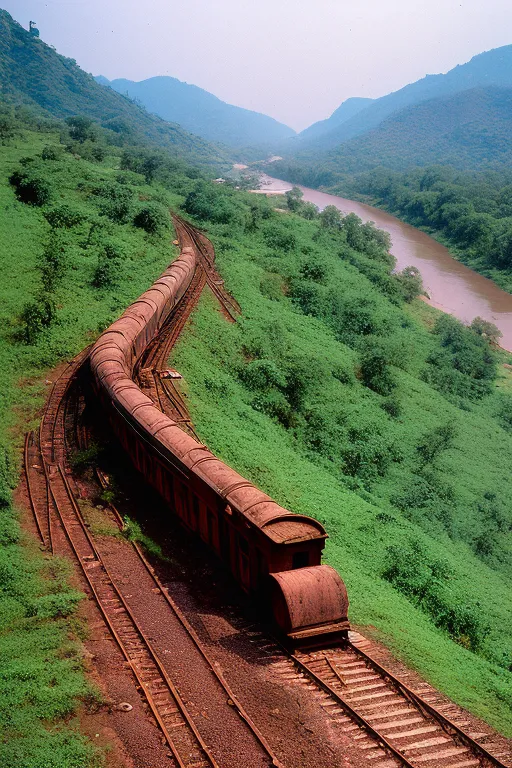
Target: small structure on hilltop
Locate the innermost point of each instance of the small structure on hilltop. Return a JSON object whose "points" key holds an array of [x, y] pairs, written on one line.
{"points": [[33, 29]]}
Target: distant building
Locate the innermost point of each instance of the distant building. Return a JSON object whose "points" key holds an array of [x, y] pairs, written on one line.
{"points": [[219, 181], [33, 29]]}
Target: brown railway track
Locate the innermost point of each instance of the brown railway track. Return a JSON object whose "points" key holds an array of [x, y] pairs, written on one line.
{"points": [[52, 500], [392, 723]]}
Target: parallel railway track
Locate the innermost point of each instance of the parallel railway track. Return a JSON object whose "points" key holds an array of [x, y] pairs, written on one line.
{"points": [[392, 724]]}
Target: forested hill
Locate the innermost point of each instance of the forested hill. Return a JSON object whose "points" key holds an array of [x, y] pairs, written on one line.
{"points": [[32, 73], [345, 111], [488, 68], [469, 131], [201, 112]]}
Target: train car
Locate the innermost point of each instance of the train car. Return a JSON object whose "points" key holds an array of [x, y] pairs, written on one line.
{"points": [[261, 542]]}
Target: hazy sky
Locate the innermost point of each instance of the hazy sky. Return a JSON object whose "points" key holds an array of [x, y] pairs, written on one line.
{"points": [[296, 60]]}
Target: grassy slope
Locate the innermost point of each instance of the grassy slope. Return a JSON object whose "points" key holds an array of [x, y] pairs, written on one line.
{"points": [[209, 358], [33, 73], [41, 677]]}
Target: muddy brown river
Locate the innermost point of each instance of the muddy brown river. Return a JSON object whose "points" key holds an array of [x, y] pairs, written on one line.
{"points": [[452, 286]]}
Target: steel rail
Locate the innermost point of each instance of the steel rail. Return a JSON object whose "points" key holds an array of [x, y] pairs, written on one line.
{"points": [[448, 725]]}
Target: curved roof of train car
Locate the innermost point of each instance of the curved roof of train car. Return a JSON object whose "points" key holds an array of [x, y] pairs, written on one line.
{"points": [[112, 370]]}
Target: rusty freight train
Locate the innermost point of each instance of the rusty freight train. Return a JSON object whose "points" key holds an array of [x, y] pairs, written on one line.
{"points": [[271, 552]]}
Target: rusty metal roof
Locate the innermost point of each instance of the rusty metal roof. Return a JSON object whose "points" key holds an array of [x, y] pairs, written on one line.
{"points": [[111, 362]]}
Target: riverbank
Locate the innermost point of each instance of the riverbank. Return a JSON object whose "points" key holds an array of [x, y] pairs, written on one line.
{"points": [[452, 286]]}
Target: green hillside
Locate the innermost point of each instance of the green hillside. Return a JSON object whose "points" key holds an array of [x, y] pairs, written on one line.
{"points": [[337, 391], [201, 112], [469, 131], [491, 68], [378, 416], [32, 73], [347, 399], [348, 109]]}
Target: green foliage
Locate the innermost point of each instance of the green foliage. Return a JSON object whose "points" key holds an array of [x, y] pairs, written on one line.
{"points": [[53, 265], [435, 442], [425, 581], [375, 370], [207, 203], [63, 217], [108, 270], [37, 316], [410, 283], [81, 129], [464, 366], [153, 218], [31, 188], [279, 238]]}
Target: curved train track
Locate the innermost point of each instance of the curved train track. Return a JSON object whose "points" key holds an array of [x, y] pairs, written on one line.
{"points": [[391, 723]]}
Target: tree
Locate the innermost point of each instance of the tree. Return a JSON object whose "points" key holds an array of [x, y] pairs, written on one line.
{"points": [[81, 129], [293, 199], [486, 330], [152, 218], [331, 218]]}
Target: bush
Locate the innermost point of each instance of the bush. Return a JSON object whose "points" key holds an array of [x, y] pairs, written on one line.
{"points": [[436, 441], [410, 282], [152, 218], [425, 581], [63, 217], [209, 202], [262, 375], [375, 371], [30, 188], [107, 273], [51, 153], [280, 237], [53, 263], [37, 316], [272, 286]]}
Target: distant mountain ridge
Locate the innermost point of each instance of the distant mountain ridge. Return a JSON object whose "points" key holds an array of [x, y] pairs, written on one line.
{"points": [[347, 109], [489, 68], [202, 113], [469, 130], [33, 73]]}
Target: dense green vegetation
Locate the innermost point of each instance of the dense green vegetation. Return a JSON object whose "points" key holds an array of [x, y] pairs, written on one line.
{"points": [[35, 75], [346, 399], [201, 112], [82, 234], [337, 392], [471, 212]]}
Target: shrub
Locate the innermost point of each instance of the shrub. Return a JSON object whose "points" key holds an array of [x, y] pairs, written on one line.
{"points": [[63, 217], [107, 271], [152, 218], [262, 375], [375, 370], [51, 153], [410, 283], [272, 286], [314, 269], [210, 202], [436, 441], [53, 263], [38, 315], [425, 581], [280, 237], [30, 188], [487, 330]]}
